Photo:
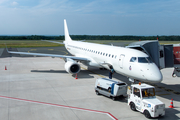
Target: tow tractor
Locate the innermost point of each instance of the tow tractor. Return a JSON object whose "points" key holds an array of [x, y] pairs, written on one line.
{"points": [[142, 98]]}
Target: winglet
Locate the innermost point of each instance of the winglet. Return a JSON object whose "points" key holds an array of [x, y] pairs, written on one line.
{"points": [[67, 37]]}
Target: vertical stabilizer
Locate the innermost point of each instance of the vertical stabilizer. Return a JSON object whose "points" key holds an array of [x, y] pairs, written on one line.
{"points": [[67, 37]]}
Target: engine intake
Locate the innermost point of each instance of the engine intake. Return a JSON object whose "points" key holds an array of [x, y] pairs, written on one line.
{"points": [[72, 67]]}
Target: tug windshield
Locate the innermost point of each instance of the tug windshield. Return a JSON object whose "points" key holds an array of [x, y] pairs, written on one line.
{"points": [[148, 92]]}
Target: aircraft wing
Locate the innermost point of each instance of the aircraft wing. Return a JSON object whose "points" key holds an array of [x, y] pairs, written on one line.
{"points": [[53, 41], [103, 63], [50, 55]]}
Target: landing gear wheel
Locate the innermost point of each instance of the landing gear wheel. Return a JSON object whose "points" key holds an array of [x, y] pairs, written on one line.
{"points": [[146, 114], [132, 106]]}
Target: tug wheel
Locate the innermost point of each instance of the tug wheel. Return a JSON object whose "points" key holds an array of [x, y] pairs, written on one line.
{"points": [[132, 106], [146, 114], [97, 93]]}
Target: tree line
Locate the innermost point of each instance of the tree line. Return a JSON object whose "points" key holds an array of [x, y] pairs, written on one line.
{"points": [[92, 37]]}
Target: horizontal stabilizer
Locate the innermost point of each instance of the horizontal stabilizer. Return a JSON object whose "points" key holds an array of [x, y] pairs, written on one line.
{"points": [[53, 41]]}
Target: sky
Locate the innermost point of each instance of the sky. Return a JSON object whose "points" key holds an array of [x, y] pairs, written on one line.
{"points": [[90, 17]]}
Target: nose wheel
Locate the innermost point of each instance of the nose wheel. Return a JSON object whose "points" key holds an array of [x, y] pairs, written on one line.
{"points": [[131, 80]]}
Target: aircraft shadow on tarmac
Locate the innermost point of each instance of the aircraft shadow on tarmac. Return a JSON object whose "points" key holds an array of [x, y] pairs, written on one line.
{"points": [[83, 74], [49, 71], [105, 73]]}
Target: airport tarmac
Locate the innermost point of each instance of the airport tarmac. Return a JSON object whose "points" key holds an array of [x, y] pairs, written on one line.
{"points": [[35, 88]]}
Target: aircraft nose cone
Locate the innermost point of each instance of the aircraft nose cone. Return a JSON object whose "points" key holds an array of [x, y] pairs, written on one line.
{"points": [[155, 75]]}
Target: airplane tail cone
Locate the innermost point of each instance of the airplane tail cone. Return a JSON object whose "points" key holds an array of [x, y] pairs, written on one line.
{"points": [[76, 76], [171, 106], [5, 68]]}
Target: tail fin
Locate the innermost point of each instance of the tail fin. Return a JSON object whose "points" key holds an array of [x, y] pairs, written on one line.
{"points": [[67, 37]]}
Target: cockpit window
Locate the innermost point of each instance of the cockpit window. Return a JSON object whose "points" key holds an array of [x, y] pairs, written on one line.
{"points": [[149, 59], [133, 59], [144, 60]]}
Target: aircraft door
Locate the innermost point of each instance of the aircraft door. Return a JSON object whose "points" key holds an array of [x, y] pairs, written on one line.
{"points": [[121, 59]]}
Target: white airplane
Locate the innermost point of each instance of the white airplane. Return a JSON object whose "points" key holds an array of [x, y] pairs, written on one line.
{"points": [[134, 64]]}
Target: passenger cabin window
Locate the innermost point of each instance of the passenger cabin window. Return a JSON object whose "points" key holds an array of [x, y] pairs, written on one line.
{"points": [[133, 59], [144, 60]]}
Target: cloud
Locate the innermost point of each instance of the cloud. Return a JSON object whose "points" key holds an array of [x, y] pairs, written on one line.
{"points": [[2, 1], [14, 3]]}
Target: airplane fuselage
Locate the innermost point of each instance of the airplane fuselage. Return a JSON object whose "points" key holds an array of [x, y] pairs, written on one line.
{"points": [[129, 62]]}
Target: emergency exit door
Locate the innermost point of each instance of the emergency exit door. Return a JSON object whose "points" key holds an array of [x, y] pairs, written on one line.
{"points": [[121, 59]]}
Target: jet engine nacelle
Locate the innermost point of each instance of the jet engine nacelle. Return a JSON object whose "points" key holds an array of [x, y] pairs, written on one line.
{"points": [[72, 67]]}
